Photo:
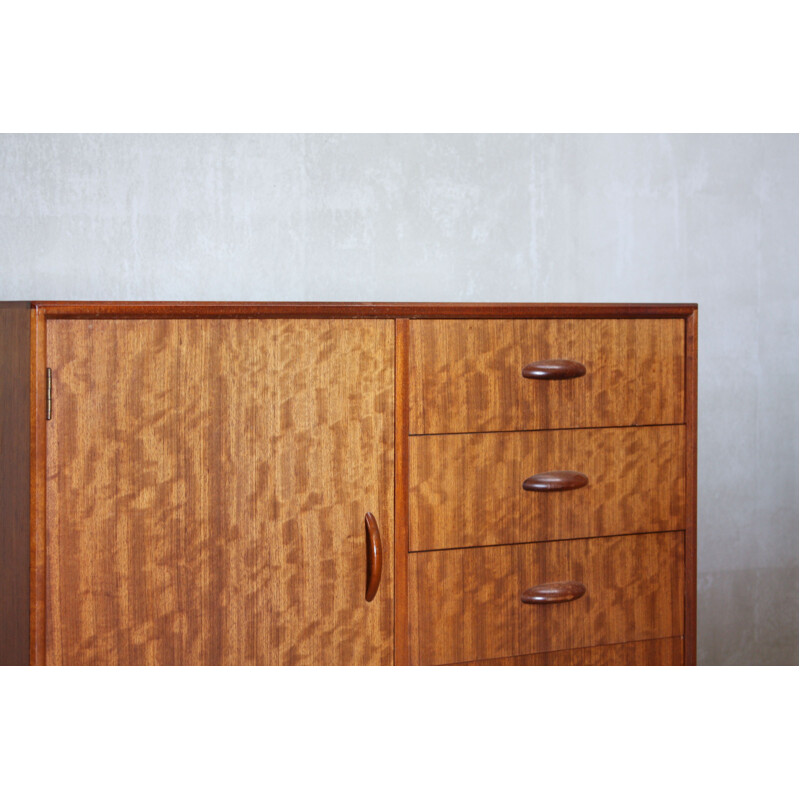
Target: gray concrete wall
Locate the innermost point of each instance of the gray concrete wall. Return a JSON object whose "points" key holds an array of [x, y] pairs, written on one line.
{"points": [[710, 219]]}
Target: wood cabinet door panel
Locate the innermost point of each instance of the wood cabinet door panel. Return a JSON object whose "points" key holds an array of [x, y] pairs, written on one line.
{"points": [[466, 375], [465, 605], [466, 490], [207, 482]]}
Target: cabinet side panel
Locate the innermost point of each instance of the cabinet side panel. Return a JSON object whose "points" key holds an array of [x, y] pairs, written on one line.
{"points": [[14, 483]]}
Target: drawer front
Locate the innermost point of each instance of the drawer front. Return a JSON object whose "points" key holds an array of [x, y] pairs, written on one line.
{"points": [[466, 375], [467, 490], [650, 653], [465, 605]]}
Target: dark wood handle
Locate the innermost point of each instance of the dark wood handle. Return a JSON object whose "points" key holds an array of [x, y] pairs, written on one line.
{"points": [[556, 481], [553, 593], [374, 556], [555, 370]]}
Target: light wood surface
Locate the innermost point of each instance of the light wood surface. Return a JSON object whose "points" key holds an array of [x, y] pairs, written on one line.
{"points": [[466, 375], [650, 653], [466, 490], [207, 486], [464, 605]]}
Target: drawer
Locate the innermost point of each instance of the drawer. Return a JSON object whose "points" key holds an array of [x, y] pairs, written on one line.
{"points": [[649, 653], [465, 605], [467, 490], [466, 375]]}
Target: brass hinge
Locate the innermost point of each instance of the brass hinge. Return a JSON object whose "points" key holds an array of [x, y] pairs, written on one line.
{"points": [[49, 393]]}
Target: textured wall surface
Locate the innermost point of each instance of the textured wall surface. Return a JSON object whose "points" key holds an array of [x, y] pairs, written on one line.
{"points": [[710, 219]]}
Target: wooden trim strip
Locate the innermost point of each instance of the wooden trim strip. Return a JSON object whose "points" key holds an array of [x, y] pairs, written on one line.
{"points": [[690, 548], [401, 656], [133, 310], [38, 487]]}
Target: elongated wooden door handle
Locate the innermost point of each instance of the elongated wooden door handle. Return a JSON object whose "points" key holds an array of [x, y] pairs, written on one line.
{"points": [[555, 370], [374, 556], [558, 480], [553, 593]]}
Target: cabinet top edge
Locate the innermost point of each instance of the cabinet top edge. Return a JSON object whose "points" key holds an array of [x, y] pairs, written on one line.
{"points": [[187, 310]]}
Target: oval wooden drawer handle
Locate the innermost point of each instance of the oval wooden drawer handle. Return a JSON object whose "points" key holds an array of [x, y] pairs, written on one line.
{"points": [[374, 556], [553, 593], [558, 480], [554, 370]]}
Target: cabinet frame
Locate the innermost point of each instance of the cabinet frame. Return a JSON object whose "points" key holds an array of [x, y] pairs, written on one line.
{"points": [[23, 482]]}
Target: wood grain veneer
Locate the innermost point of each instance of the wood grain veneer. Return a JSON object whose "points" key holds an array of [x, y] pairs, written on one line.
{"points": [[464, 605], [207, 486], [649, 653], [466, 490], [466, 375], [14, 482]]}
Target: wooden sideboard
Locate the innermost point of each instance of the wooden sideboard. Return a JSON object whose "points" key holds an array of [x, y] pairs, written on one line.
{"points": [[297, 483]]}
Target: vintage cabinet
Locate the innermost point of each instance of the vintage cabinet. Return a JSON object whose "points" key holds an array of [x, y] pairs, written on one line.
{"points": [[347, 483]]}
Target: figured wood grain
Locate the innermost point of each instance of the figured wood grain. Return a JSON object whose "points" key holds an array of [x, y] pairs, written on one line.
{"points": [[465, 375], [14, 483], [649, 653], [464, 605], [401, 492], [207, 486], [466, 490], [690, 581]]}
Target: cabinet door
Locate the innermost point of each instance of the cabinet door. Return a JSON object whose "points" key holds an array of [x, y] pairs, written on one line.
{"points": [[207, 486]]}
